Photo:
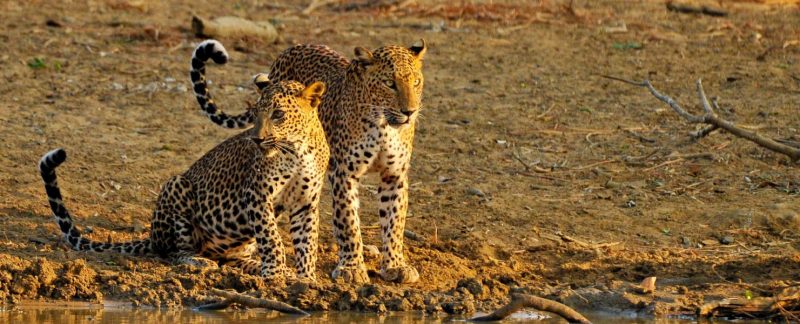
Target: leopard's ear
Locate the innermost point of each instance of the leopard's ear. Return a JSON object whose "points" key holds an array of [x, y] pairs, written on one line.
{"points": [[313, 93], [364, 56], [261, 80], [419, 48]]}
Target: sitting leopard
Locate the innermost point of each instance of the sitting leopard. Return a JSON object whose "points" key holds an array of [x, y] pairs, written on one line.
{"points": [[222, 208], [369, 114]]}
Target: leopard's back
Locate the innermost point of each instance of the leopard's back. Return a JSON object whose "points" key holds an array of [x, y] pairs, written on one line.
{"points": [[307, 63]]}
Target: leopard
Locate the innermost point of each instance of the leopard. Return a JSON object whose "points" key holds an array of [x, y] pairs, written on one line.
{"points": [[369, 115], [223, 209]]}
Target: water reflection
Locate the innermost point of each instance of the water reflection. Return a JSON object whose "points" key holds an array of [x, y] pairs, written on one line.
{"points": [[124, 316], [55, 315]]}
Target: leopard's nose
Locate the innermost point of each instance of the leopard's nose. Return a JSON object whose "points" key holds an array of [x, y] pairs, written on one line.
{"points": [[408, 113]]}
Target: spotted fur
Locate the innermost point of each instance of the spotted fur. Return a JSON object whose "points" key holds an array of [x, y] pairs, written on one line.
{"points": [[224, 207], [369, 114]]}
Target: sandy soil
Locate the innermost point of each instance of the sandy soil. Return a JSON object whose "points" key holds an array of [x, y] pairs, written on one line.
{"points": [[531, 172]]}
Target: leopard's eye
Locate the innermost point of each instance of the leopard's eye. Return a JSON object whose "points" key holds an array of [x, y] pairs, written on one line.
{"points": [[389, 83], [277, 114], [417, 82]]}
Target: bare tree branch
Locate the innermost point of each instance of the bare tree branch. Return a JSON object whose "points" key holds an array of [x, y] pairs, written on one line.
{"points": [[520, 301], [704, 99], [242, 299], [715, 121], [703, 132]]}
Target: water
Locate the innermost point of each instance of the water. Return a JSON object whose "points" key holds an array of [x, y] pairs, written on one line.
{"points": [[57, 314]]}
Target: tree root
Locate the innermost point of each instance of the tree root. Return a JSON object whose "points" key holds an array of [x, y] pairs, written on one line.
{"points": [[520, 301], [245, 300]]}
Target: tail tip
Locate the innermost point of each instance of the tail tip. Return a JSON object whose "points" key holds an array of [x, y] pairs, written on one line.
{"points": [[53, 158], [213, 49]]}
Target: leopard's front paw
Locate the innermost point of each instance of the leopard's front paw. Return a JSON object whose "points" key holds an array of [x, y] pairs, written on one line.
{"points": [[401, 274], [351, 274], [198, 262]]}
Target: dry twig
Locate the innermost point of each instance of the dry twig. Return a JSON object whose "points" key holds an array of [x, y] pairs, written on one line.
{"points": [[245, 300], [520, 301], [710, 118], [316, 4], [684, 8], [758, 307]]}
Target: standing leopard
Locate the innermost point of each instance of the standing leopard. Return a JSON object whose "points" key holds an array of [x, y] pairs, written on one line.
{"points": [[225, 205], [369, 114]]}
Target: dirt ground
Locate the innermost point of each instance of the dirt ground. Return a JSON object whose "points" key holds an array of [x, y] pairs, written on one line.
{"points": [[531, 172]]}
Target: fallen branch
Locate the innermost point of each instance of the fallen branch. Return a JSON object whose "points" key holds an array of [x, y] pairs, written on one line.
{"points": [[785, 304], [253, 302], [316, 4], [684, 8], [703, 132], [709, 117], [520, 301]]}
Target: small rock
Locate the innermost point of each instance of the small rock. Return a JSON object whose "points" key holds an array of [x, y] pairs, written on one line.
{"points": [[686, 241], [138, 227], [630, 204], [399, 304], [476, 192], [53, 23], [298, 288], [648, 285], [472, 285], [234, 27], [433, 308], [726, 240], [371, 251]]}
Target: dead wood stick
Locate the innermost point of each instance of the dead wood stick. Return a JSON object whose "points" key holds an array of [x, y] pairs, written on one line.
{"points": [[520, 301], [689, 156], [640, 137], [759, 307], [684, 8], [245, 300], [703, 132], [711, 118], [316, 4]]}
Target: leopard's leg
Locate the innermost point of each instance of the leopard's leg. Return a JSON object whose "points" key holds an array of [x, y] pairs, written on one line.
{"points": [[304, 229], [393, 207], [346, 227], [172, 227], [248, 266], [268, 240]]}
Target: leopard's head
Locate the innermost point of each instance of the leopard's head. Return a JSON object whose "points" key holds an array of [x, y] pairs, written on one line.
{"points": [[284, 113], [394, 77]]}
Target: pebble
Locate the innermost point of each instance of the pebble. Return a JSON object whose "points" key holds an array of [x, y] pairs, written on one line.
{"points": [[648, 285], [476, 192], [371, 251], [726, 240]]}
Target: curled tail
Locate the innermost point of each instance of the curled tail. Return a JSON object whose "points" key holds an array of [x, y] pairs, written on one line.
{"points": [[212, 49], [47, 167]]}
